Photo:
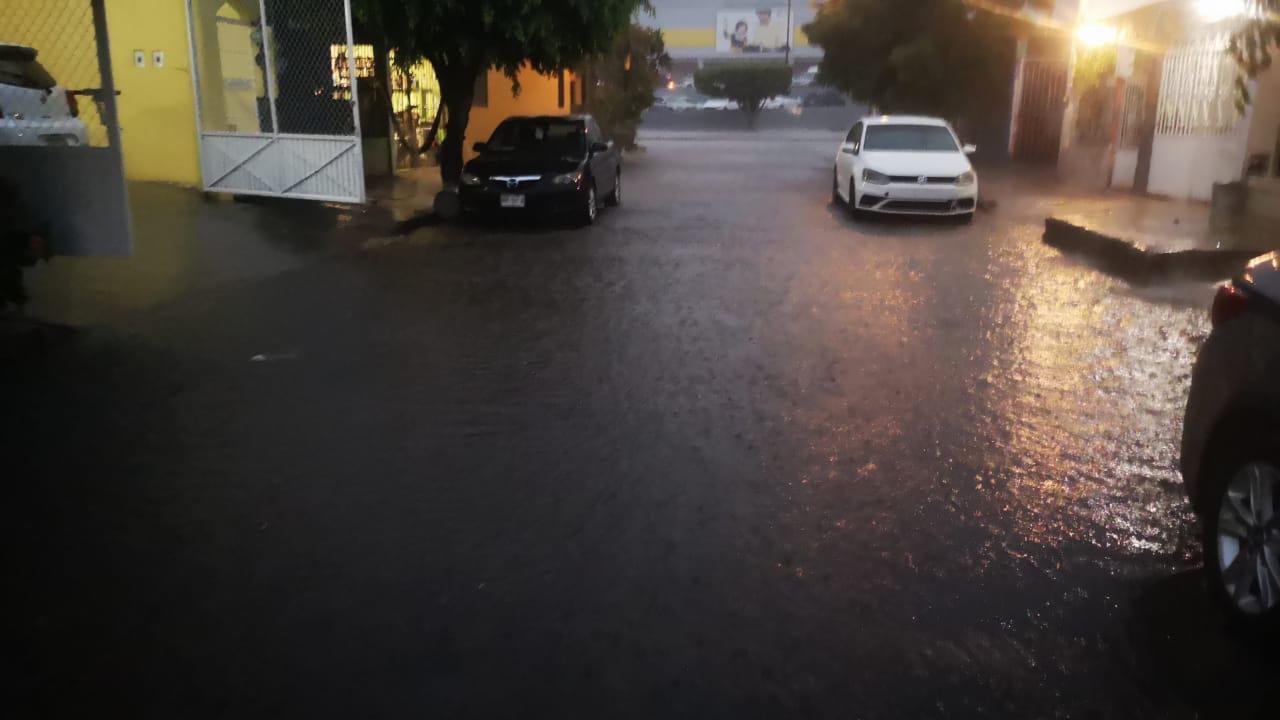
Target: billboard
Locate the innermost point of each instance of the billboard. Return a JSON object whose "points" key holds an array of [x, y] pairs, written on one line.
{"points": [[752, 30]]}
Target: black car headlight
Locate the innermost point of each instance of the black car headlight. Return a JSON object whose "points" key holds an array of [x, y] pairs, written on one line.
{"points": [[572, 178], [471, 179]]}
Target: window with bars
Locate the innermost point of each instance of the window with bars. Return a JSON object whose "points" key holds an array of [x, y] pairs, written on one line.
{"points": [[1197, 90]]}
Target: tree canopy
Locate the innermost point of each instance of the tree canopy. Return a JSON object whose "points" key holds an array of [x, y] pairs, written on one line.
{"points": [[622, 81], [463, 38], [1253, 43], [749, 84], [928, 56]]}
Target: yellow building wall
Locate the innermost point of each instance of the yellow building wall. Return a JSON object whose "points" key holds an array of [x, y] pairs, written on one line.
{"points": [[539, 95], [156, 104]]}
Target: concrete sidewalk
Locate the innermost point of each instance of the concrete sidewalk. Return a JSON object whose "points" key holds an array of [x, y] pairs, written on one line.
{"points": [[1146, 240], [1161, 225], [186, 241]]}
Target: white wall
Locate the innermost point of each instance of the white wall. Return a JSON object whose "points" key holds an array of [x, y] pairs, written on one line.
{"points": [[1126, 169], [1265, 114], [1187, 166]]}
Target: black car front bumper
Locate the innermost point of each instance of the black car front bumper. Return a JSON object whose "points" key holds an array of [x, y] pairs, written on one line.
{"points": [[486, 200]]}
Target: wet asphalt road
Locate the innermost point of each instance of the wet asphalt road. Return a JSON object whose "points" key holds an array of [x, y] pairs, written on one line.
{"points": [[726, 454]]}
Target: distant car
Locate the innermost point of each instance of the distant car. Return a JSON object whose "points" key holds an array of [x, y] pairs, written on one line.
{"points": [[34, 108], [717, 104], [1231, 446], [806, 78], [681, 103], [782, 102], [824, 98], [552, 165], [905, 164]]}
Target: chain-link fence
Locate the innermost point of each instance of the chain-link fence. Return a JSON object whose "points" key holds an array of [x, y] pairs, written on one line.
{"points": [[289, 75], [50, 84]]}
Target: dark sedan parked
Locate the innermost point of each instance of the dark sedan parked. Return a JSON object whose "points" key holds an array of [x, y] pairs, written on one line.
{"points": [[1231, 446], [551, 165]]}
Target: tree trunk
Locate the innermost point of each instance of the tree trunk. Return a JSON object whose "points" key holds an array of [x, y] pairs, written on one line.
{"points": [[752, 109], [434, 131], [457, 92]]}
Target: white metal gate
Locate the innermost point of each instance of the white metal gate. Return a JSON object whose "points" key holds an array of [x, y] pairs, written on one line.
{"points": [[59, 131], [276, 103], [1198, 90]]}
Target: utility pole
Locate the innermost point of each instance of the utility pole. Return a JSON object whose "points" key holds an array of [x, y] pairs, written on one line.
{"points": [[789, 32]]}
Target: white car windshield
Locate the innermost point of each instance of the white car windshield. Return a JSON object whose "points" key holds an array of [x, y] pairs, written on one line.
{"points": [[909, 138]]}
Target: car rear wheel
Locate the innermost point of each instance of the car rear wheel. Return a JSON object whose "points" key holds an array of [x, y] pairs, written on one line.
{"points": [[1242, 530]]}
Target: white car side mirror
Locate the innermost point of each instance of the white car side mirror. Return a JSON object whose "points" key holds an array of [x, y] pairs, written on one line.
{"points": [[849, 148], [970, 149]]}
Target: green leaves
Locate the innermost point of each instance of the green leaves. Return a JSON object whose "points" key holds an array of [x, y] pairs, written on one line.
{"points": [[1251, 46], [749, 84], [929, 56], [622, 82]]}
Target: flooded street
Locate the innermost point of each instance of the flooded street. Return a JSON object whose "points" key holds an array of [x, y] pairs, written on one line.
{"points": [[727, 453]]}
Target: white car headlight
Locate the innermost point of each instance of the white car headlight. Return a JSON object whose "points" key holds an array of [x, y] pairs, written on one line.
{"points": [[966, 179], [471, 179], [572, 178], [871, 177]]}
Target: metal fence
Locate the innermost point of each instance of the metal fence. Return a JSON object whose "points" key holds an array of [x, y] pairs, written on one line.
{"points": [[1197, 90], [61, 168], [50, 83], [1038, 127], [276, 102]]}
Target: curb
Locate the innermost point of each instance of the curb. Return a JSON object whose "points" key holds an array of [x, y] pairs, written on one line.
{"points": [[1139, 266]]}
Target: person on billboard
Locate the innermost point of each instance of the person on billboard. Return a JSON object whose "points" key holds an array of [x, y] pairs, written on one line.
{"points": [[738, 40], [769, 35]]}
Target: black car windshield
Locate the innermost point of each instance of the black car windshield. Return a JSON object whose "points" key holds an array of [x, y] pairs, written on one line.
{"points": [[909, 138], [541, 136]]}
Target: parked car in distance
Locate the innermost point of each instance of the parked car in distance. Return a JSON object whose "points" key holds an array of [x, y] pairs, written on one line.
{"points": [[782, 102], [824, 98], [34, 108], [1231, 446], [806, 78], [905, 164], [681, 103], [718, 104], [552, 165]]}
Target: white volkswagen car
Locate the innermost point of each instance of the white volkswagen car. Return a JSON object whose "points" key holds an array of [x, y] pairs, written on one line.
{"points": [[905, 164], [34, 108]]}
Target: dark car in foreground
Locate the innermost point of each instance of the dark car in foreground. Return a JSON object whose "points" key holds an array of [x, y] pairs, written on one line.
{"points": [[544, 165], [1231, 446]]}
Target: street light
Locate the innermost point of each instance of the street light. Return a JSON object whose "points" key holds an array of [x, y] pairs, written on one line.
{"points": [[1096, 35]]}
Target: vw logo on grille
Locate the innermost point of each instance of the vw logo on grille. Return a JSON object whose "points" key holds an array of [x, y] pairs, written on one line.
{"points": [[922, 180], [513, 183]]}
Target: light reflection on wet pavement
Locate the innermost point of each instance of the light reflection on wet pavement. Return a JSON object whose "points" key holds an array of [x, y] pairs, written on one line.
{"points": [[728, 453]]}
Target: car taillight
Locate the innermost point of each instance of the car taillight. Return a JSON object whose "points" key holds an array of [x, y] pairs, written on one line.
{"points": [[73, 105], [1230, 303]]}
